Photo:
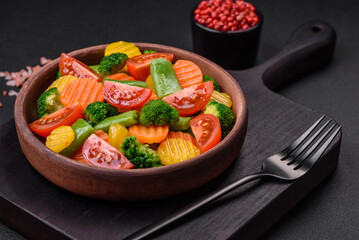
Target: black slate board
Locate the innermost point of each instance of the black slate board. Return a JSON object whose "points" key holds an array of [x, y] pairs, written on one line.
{"points": [[38, 209]]}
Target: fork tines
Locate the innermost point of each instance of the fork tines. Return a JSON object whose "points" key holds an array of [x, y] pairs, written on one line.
{"points": [[309, 147]]}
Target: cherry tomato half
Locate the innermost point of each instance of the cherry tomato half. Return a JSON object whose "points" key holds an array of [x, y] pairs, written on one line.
{"points": [[70, 65], [190, 100], [63, 117], [139, 66], [207, 131], [125, 96], [100, 153]]}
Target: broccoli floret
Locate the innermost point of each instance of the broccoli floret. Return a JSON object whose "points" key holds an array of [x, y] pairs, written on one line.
{"points": [[112, 64], [140, 155], [149, 51], [97, 111], [158, 112], [215, 84], [58, 75], [224, 114], [49, 102]]}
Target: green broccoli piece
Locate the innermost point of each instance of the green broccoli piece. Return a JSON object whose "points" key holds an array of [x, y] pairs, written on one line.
{"points": [[215, 84], [112, 63], [158, 112], [149, 51], [140, 155], [49, 102], [97, 111], [58, 75], [224, 114]]}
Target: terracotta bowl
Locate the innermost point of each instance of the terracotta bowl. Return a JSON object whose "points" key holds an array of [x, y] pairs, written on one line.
{"points": [[132, 184]]}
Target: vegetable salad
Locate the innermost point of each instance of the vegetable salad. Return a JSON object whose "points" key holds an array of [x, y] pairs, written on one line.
{"points": [[132, 110]]}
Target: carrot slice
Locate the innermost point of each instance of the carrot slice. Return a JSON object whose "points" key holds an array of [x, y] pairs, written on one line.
{"points": [[184, 136], [101, 134], [151, 134], [121, 77], [83, 91], [188, 73]]}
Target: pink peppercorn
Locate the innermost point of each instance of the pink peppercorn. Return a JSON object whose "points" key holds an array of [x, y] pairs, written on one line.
{"points": [[226, 15]]}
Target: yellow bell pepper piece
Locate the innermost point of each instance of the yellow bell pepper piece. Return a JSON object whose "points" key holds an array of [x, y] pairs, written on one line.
{"points": [[61, 82], [150, 84], [116, 134], [174, 150], [60, 138], [223, 98]]}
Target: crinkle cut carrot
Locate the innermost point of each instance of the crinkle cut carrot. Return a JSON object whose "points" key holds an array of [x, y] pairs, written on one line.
{"points": [[121, 77], [150, 134], [188, 73], [83, 91], [184, 136]]}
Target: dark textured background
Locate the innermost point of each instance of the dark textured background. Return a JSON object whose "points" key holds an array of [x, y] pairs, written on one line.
{"points": [[29, 30]]}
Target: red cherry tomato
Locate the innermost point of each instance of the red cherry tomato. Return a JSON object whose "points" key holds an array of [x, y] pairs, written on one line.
{"points": [[70, 65], [100, 153], [190, 100], [139, 66], [125, 96], [63, 117], [207, 131]]}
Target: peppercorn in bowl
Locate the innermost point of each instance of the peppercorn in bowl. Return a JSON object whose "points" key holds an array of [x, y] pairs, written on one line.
{"points": [[129, 182], [227, 32]]}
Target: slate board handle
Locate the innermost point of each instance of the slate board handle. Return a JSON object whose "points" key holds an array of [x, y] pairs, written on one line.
{"points": [[311, 46]]}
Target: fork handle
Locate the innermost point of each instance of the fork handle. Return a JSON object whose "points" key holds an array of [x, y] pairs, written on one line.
{"points": [[156, 226]]}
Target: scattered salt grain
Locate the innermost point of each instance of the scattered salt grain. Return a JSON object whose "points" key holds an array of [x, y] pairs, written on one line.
{"points": [[17, 79], [44, 60], [11, 83], [13, 93]]}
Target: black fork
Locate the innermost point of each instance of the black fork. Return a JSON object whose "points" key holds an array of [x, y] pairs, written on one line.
{"points": [[289, 164]]}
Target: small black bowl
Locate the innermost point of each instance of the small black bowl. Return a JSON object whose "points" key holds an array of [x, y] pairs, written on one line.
{"points": [[230, 50]]}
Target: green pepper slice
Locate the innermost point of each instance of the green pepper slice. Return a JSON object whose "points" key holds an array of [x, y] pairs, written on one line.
{"points": [[164, 77], [82, 131], [131, 83], [127, 119], [181, 124]]}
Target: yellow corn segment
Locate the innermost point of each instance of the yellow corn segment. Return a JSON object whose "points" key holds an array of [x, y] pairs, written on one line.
{"points": [[174, 150], [60, 138], [150, 84], [116, 134], [61, 82], [224, 98], [122, 47]]}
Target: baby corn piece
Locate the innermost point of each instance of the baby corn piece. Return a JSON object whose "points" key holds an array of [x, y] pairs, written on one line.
{"points": [[60, 138], [122, 47], [61, 82], [174, 150], [223, 98]]}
